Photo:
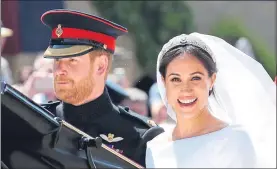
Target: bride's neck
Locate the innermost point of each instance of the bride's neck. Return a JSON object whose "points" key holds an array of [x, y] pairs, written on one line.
{"points": [[195, 126]]}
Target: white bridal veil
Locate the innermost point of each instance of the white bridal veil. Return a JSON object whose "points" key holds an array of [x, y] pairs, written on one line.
{"points": [[244, 92]]}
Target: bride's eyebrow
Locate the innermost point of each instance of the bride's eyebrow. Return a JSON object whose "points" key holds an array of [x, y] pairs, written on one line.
{"points": [[197, 73], [173, 74]]}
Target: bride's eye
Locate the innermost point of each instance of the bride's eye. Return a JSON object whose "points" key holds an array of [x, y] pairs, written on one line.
{"points": [[175, 79], [196, 78]]}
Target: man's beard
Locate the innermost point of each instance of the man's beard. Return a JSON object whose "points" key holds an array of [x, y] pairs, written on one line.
{"points": [[77, 92]]}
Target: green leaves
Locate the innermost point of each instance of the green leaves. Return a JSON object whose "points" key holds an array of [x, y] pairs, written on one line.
{"points": [[151, 23], [233, 28]]}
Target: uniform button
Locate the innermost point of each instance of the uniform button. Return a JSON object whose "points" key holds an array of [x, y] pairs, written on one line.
{"points": [[151, 123]]}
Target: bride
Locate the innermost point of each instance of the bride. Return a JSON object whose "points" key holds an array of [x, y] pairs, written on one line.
{"points": [[223, 103]]}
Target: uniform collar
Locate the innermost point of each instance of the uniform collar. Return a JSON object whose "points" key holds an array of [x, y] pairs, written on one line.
{"points": [[90, 111]]}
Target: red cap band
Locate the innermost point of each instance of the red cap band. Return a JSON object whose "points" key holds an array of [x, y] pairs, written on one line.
{"points": [[74, 33]]}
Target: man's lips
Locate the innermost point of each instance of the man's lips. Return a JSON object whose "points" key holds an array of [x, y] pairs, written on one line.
{"points": [[62, 82]]}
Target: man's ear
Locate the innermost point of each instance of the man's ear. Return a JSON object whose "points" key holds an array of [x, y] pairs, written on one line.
{"points": [[101, 64]]}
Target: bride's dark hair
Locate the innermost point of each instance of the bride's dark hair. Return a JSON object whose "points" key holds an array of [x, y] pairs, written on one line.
{"points": [[203, 56]]}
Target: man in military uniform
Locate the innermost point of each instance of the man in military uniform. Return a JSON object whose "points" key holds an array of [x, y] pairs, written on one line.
{"points": [[82, 46]]}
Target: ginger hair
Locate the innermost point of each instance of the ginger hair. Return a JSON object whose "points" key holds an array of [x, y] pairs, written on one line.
{"points": [[98, 52]]}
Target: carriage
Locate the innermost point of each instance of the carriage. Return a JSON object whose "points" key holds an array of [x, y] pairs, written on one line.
{"points": [[32, 137]]}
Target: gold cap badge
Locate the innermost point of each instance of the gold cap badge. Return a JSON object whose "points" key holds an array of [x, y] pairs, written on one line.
{"points": [[59, 30]]}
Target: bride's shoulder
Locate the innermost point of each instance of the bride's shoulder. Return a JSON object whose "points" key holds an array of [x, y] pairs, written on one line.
{"points": [[238, 133], [235, 134], [237, 129], [162, 138]]}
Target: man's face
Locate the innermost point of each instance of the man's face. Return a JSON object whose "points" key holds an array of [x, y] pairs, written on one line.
{"points": [[73, 78]]}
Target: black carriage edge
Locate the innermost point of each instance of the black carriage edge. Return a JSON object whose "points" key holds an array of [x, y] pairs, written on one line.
{"points": [[32, 137]]}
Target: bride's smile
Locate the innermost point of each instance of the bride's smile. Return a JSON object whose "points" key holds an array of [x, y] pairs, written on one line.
{"points": [[187, 102]]}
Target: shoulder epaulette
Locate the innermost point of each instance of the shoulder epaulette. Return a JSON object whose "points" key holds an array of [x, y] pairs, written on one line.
{"points": [[126, 111]]}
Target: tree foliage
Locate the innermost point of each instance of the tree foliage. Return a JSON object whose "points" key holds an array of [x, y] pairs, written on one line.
{"points": [[150, 23], [232, 29]]}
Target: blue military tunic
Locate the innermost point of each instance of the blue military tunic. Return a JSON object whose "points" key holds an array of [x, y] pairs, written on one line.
{"points": [[120, 129]]}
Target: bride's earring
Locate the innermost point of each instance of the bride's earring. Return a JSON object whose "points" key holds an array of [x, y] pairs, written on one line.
{"points": [[210, 91]]}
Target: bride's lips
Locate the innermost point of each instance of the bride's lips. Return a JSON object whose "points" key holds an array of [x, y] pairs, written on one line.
{"points": [[187, 102]]}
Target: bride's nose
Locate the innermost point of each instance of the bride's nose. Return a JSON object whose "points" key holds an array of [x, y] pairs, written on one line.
{"points": [[186, 87]]}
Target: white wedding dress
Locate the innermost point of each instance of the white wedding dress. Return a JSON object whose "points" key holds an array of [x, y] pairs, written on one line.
{"points": [[229, 147]]}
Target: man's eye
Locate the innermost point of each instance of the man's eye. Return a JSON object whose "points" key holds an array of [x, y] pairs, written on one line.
{"points": [[175, 79], [72, 60], [196, 78]]}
